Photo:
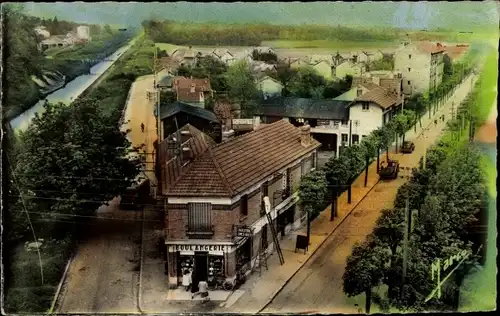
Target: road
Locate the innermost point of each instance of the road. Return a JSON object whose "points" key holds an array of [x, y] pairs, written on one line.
{"points": [[317, 287], [104, 274]]}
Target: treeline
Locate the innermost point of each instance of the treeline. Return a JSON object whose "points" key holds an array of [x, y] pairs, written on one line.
{"points": [[253, 34]]}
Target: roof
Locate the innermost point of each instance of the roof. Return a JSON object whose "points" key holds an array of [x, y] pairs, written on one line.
{"points": [[185, 95], [232, 167], [171, 164], [391, 84], [456, 51], [379, 96], [429, 47], [166, 81], [304, 108], [200, 84], [348, 95], [171, 109], [265, 77]]}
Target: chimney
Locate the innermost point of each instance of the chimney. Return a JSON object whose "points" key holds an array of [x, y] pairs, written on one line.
{"points": [[305, 135]]}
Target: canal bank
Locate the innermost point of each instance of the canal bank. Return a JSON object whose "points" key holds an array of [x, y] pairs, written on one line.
{"points": [[71, 90]]}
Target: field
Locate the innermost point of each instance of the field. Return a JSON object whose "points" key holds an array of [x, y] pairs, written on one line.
{"points": [[325, 44]]}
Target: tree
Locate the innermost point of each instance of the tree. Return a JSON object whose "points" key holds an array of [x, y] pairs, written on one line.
{"points": [[74, 159], [364, 270], [447, 66], [369, 147], [242, 87], [285, 74], [305, 82], [313, 190]]}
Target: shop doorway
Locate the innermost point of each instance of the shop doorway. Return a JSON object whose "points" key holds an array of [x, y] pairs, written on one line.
{"points": [[200, 269]]}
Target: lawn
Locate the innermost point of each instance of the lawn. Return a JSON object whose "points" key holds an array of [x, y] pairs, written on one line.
{"points": [[322, 44]]}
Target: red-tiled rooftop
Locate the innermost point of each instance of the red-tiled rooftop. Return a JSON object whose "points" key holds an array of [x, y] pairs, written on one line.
{"points": [[231, 167], [379, 96], [430, 48]]}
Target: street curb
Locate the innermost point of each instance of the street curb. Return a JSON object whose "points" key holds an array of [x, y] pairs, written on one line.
{"points": [[58, 291], [315, 250]]}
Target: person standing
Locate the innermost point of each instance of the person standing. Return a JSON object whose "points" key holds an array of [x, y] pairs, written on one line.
{"points": [[142, 127], [186, 279]]}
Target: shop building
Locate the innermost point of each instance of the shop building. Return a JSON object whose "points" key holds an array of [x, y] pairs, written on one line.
{"points": [[213, 195]]}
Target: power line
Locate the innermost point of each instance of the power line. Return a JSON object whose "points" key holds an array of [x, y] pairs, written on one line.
{"points": [[27, 214]]}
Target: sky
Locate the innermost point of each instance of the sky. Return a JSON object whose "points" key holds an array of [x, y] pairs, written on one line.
{"points": [[461, 16]]}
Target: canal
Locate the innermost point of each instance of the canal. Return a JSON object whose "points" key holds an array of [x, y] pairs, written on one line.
{"points": [[71, 91]]}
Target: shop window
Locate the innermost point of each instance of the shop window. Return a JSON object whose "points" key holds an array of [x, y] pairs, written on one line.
{"points": [[199, 217], [216, 266], [244, 205]]}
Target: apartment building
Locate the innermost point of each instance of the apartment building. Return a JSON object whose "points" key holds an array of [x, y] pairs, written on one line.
{"points": [[421, 65]]}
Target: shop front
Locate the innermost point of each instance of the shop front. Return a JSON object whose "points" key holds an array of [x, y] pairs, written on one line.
{"points": [[202, 260]]}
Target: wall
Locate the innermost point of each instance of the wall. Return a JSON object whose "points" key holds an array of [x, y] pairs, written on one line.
{"points": [[222, 220], [368, 120], [419, 75], [324, 69]]}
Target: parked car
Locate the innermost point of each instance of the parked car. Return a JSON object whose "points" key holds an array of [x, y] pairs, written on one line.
{"points": [[390, 171], [407, 147]]}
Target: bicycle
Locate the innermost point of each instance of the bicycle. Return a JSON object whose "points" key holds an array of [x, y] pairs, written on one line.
{"points": [[215, 283]]}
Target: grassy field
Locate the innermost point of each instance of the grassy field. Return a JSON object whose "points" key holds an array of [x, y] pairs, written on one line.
{"points": [[324, 44]]}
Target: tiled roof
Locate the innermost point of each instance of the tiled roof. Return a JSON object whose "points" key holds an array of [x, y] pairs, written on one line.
{"points": [[304, 108], [391, 84], [429, 47], [200, 84], [456, 51], [379, 96], [231, 167], [176, 107], [185, 95], [171, 164]]}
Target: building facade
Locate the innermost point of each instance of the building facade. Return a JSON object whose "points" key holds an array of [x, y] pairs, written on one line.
{"points": [[216, 192], [421, 65], [83, 32]]}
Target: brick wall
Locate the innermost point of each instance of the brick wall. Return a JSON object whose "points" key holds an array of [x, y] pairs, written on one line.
{"points": [[275, 185], [222, 220], [254, 208]]}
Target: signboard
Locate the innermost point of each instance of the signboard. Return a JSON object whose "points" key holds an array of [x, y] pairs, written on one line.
{"points": [[243, 121], [302, 243], [243, 231], [190, 248]]}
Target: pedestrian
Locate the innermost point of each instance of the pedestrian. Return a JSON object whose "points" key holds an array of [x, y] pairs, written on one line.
{"points": [[203, 291], [142, 127], [186, 279], [435, 122]]}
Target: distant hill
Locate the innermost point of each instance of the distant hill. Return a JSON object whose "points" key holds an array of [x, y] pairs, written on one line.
{"points": [[457, 16]]}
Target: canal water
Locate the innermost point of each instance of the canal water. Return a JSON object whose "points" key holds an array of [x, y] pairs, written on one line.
{"points": [[71, 91]]}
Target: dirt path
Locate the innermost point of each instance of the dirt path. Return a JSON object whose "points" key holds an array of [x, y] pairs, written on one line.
{"points": [[488, 132], [318, 285]]}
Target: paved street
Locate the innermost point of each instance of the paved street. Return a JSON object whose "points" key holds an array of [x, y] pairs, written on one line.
{"points": [[318, 285]]}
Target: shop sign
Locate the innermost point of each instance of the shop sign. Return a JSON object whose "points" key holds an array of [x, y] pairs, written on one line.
{"points": [[243, 231], [211, 248]]}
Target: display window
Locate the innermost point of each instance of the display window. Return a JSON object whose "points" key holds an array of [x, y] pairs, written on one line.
{"points": [[184, 262], [243, 254], [216, 266]]}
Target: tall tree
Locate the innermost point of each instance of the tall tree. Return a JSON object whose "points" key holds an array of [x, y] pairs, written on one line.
{"points": [[242, 87], [74, 158]]}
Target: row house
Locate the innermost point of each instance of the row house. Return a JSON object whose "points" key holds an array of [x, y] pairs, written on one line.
{"points": [[186, 56], [213, 192], [366, 57], [421, 64], [334, 123]]}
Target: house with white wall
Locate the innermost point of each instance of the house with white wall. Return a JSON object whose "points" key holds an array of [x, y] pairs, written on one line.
{"points": [[334, 123], [323, 68], [421, 65], [348, 68]]}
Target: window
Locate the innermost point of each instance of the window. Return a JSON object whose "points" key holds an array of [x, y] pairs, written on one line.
{"points": [[263, 238], [409, 56], [244, 205], [355, 138], [264, 190], [344, 138], [409, 69], [409, 82], [359, 92], [366, 106], [199, 217]]}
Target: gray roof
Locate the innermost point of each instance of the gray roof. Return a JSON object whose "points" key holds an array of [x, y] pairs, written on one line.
{"points": [[166, 81], [305, 108], [176, 107]]}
